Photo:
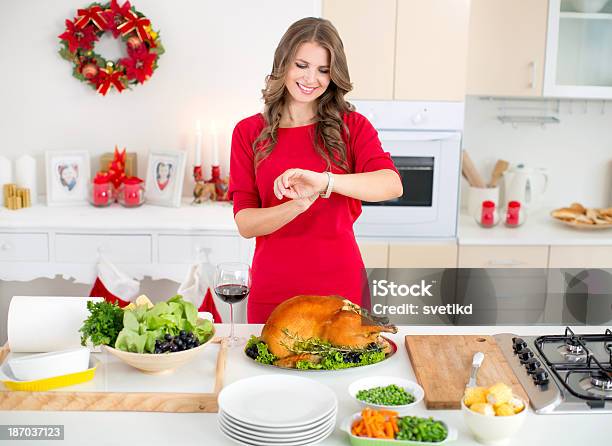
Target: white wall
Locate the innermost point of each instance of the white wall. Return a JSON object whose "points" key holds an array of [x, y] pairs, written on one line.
{"points": [[577, 151], [217, 55]]}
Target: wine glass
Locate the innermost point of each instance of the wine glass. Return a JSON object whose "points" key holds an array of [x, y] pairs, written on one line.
{"points": [[232, 285]]}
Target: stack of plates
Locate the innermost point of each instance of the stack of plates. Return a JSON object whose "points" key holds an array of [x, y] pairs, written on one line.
{"points": [[277, 410]]}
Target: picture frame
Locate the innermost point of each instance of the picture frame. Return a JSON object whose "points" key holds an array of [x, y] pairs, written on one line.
{"points": [[164, 178], [68, 174]]}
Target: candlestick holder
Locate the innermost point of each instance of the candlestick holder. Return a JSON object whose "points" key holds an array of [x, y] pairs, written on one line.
{"points": [[221, 184], [203, 191]]}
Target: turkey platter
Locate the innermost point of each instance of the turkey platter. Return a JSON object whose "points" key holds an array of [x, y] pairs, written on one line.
{"points": [[320, 333]]}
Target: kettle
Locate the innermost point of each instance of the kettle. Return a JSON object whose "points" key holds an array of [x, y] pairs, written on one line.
{"points": [[525, 185]]}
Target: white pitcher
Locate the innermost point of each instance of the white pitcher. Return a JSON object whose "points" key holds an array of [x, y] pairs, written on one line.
{"points": [[526, 185]]}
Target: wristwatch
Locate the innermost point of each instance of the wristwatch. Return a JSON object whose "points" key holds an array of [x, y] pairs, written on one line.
{"points": [[330, 185]]}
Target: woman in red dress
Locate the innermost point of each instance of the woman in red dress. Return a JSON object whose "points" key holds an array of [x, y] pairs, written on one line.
{"points": [[299, 171]]}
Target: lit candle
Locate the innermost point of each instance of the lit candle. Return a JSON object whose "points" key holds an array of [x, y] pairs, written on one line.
{"points": [[215, 144], [198, 146]]}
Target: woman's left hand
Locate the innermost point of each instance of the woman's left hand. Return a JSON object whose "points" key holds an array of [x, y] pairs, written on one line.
{"points": [[299, 183]]}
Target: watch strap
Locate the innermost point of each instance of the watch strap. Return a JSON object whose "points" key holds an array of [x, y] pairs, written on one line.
{"points": [[330, 185]]}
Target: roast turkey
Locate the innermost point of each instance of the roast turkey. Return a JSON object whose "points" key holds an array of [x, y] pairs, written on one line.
{"points": [[327, 318]]}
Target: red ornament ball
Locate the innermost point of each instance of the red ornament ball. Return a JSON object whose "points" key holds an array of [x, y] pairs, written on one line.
{"points": [[134, 42], [89, 70]]}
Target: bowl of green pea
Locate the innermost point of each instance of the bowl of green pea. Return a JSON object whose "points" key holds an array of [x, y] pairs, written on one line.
{"points": [[387, 392]]}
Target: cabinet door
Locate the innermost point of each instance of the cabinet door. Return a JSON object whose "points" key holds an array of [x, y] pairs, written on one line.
{"points": [[432, 38], [411, 255], [579, 50], [507, 42], [367, 30], [580, 257], [503, 256], [374, 254]]}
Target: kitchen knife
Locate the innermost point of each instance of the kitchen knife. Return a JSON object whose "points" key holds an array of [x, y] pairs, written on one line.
{"points": [[476, 363]]}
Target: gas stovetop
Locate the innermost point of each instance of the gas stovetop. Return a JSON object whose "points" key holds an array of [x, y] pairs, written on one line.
{"points": [[563, 373]]}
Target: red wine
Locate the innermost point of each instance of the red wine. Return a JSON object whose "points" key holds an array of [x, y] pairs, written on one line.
{"points": [[232, 294]]}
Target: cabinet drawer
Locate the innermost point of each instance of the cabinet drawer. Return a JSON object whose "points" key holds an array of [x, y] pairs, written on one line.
{"points": [[580, 257], [84, 248], [24, 247], [503, 256], [187, 248], [443, 255]]}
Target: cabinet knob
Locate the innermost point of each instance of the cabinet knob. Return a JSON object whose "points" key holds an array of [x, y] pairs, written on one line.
{"points": [[5, 246]]}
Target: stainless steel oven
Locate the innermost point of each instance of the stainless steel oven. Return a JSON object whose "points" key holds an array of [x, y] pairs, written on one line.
{"points": [[424, 140]]}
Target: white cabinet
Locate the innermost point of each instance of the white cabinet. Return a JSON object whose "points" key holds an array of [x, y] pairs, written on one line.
{"points": [[431, 50], [423, 255], [374, 254], [507, 44], [404, 49], [23, 247], [187, 249], [580, 257], [503, 256], [84, 248], [367, 30], [579, 52]]}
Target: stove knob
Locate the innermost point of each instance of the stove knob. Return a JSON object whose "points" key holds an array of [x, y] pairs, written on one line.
{"points": [[518, 344], [525, 354], [521, 351], [531, 364], [540, 376]]}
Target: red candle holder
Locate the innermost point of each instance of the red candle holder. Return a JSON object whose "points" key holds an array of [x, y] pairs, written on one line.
{"points": [[488, 215], [515, 216], [102, 191], [131, 192]]}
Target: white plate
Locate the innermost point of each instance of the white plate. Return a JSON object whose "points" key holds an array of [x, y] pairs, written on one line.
{"points": [[246, 442], [384, 381], [304, 436], [279, 431], [275, 436], [282, 430], [277, 401]]}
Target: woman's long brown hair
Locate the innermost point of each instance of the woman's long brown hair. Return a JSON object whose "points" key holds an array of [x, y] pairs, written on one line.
{"points": [[331, 105]]}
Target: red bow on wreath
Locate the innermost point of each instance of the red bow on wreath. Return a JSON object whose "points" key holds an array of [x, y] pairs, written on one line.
{"points": [[135, 22], [92, 14], [107, 79]]}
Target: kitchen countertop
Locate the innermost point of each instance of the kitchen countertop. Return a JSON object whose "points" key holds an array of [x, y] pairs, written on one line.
{"points": [[538, 229], [121, 428]]}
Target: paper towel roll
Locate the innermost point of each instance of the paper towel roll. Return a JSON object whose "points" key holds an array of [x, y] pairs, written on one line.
{"points": [[6, 175], [46, 323], [25, 175]]}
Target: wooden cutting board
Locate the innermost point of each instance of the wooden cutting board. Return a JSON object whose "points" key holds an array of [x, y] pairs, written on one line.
{"points": [[442, 365]]}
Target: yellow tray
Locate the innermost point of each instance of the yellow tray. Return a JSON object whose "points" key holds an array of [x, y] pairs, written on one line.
{"points": [[42, 385]]}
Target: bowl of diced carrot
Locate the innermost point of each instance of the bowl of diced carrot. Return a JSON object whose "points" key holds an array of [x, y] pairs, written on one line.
{"points": [[372, 427]]}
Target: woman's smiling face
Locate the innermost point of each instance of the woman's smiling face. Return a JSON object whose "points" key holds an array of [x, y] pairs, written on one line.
{"points": [[308, 76]]}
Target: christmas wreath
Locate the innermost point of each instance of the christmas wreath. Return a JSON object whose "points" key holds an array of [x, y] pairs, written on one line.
{"points": [[143, 46]]}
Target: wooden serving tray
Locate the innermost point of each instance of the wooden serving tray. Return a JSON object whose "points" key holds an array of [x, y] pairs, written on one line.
{"points": [[117, 401]]}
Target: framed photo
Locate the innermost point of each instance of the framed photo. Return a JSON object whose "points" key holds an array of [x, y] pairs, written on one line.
{"points": [[165, 177], [68, 176]]}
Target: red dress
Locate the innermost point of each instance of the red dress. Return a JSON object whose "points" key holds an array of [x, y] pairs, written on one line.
{"points": [[316, 253]]}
